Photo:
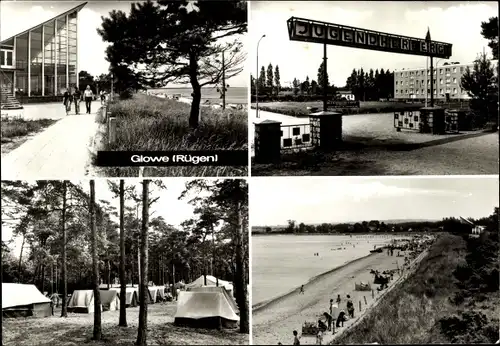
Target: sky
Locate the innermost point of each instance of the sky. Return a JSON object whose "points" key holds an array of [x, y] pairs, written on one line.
{"points": [[173, 210], [91, 48], [455, 22], [273, 201]]}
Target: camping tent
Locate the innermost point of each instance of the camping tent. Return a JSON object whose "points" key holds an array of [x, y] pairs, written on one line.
{"points": [[229, 298], [161, 293], [205, 310], [82, 301], [19, 300], [130, 295], [211, 281], [109, 300]]}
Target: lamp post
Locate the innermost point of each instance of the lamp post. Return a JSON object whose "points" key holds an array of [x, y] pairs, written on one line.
{"points": [[437, 79], [257, 79], [426, 80]]}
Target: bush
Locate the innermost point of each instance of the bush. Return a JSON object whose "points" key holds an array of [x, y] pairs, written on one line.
{"points": [[16, 127], [148, 123], [469, 327]]}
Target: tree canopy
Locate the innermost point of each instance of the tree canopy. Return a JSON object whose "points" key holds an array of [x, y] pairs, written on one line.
{"points": [[178, 42]]}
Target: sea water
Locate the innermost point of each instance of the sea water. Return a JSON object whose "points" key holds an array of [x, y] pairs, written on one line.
{"points": [[281, 263], [234, 95]]}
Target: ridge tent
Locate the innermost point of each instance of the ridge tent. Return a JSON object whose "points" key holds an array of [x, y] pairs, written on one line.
{"points": [[161, 293], [205, 310], [153, 293], [109, 300], [82, 301], [229, 298], [131, 299], [20, 300], [211, 281]]}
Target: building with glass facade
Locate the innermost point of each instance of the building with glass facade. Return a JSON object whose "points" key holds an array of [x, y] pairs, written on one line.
{"points": [[42, 61]]}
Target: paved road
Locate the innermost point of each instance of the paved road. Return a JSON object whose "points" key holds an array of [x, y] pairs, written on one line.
{"points": [[59, 152], [441, 155]]}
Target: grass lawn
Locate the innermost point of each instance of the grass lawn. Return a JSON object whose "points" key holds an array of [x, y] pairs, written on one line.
{"points": [[15, 131], [410, 313], [77, 330], [300, 108], [148, 123]]}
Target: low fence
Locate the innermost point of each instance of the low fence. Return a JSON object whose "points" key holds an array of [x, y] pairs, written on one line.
{"points": [[295, 137], [431, 120]]}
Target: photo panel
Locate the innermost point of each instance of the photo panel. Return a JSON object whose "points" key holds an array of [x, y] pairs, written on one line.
{"points": [[124, 89], [336, 91], [374, 260], [82, 259]]}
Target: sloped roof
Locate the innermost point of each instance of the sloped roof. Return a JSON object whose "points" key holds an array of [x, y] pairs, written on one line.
{"points": [[76, 8], [20, 294]]}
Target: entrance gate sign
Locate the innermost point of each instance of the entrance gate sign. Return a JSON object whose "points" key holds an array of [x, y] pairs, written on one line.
{"points": [[300, 29]]}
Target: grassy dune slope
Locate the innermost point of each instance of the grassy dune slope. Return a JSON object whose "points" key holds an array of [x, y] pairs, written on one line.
{"points": [[421, 311]]}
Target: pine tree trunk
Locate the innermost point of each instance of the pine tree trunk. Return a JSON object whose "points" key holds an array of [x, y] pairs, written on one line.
{"points": [[20, 258], [64, 311], [143, 309], [241, 287], [196, 100], [109, 274], [43, 277], [123, 312], [95, 266]]}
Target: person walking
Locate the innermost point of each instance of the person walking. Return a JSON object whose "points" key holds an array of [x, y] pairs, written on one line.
{"points": [[333, 313], [88, 95], [350, 307], [77, 97], [340, 319], [338, 299], [302, 289], [296, 339], [67, 101], [103, 97]]}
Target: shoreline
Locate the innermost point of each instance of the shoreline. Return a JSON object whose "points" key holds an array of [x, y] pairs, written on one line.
{"points": [[266, 303], [343, 234]]}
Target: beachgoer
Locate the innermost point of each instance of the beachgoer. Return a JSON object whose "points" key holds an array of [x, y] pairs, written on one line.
{"points": [[330, 320], [88, 95], [296, 339], [77, 97], [340, 319], [338, 299], [302, 289], [322, 325], [67, 101], [350, 307], [103, 96], [319, 338]]}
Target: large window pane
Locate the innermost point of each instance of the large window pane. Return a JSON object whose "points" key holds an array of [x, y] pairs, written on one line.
{"points": [[36, 83], [61, 83], [21, 83], [36, 46], [22, 52], [50, 58]]}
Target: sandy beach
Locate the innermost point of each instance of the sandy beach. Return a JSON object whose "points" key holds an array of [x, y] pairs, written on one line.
{"points": [[274, 322]]}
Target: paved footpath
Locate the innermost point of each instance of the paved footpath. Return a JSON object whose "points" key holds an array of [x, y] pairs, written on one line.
{"points": [[59, 152]]}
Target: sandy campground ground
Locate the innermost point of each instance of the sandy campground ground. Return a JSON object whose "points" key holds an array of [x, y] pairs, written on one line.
{"points": [[274, 322], [77, 330]]}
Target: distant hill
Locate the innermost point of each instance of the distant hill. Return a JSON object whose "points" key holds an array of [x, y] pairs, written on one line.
{"points": [[393, 221]]}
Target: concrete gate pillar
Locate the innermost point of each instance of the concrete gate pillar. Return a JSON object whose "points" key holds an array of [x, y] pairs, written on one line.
{"points": [[326, 130], [267, 141]]}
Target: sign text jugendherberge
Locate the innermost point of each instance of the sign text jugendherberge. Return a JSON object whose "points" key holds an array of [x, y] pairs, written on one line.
{"points": [[300, 29]]}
